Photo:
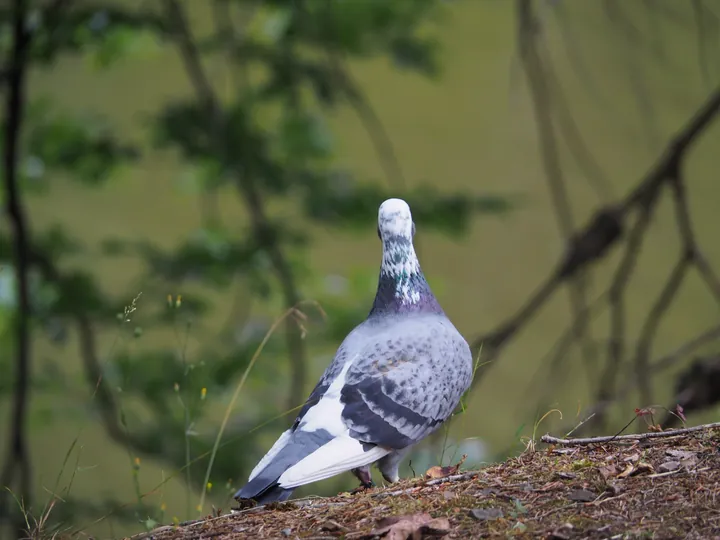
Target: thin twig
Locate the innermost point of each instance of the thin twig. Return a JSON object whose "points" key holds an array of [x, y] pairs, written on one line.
{"points": [[621, 278], [650, 327], [633, 437], [660, 365]]}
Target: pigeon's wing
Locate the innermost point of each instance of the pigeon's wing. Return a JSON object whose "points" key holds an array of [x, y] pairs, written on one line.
{"points": [[317, 445], [407, 384], [344, 352]]}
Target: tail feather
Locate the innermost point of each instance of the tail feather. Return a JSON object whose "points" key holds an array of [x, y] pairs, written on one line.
{"points": [[341, 454], [273, 494], [263, 485]]}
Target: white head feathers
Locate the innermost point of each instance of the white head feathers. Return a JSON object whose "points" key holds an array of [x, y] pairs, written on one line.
{"points": [[395, 220], [396, 229]]}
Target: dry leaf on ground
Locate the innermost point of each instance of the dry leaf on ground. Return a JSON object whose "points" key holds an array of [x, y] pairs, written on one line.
{"points": [[638, 468], [411, 527], [441, 472]]}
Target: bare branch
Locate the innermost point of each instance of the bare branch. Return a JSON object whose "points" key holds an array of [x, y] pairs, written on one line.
{"points": [[261, 226], [17, 460], [595, 240], [660, 365], [543, 107], [384, 148], [650, 327], [616, 343], [633, 437]]}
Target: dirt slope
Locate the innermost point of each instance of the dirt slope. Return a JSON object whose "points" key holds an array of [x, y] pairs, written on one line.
{"points": [[655, 488]]}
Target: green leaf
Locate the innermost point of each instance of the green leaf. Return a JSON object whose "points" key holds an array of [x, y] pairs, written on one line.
{"points": [[342, 202], [124, 43], [81, 27], [304, 136], [412, 53], [277, 23], [86, 151]]}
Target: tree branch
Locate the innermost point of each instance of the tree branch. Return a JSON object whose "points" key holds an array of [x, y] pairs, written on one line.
{"points": [[88, 354], [616, 342], [261, 226], [382, 143], [17, 460], [649, 329], [633, 437], [543, 108], [604, 230]]}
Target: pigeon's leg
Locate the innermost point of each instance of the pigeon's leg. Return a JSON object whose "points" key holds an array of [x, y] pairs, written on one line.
{"points": [[363, 474], [389, 465]]}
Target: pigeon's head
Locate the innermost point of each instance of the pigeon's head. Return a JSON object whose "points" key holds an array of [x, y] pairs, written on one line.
{"points": [[402, 286], [395, 221]]}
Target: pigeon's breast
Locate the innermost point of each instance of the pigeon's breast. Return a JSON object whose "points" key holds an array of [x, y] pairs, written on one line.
{"points": [[406, 380]]}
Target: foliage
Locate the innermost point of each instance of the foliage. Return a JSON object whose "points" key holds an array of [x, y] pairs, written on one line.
{"points": [[268, 142]]}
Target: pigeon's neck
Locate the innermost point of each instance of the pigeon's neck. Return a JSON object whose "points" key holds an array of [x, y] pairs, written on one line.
{"points": [[402, 287]]}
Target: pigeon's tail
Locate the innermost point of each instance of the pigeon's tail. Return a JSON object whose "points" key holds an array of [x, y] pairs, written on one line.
{"points": [[274, 493], [263, 485]]}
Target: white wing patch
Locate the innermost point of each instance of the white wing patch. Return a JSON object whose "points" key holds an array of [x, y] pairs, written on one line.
{"points": [[339, 455], [267, 458], [327, 413]]}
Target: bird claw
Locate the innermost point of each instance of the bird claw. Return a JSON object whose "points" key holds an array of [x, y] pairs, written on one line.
{"points": [[363, 487]]}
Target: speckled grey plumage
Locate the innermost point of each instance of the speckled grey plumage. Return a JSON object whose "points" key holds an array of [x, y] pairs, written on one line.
{"points": [[409, 366]]}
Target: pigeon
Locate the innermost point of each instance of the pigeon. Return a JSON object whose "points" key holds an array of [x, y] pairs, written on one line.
{"points": [[394, 380]]}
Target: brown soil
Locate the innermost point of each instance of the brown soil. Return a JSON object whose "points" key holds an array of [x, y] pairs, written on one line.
{"points": [[659, 488]]}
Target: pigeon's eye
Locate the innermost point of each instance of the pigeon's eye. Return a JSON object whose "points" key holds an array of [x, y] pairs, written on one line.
{"points": [[378, 231], [413, 228]]}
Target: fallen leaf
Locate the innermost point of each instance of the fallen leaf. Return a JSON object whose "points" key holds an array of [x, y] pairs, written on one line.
{"points": [[582, 495], [633, 458], [669, 466], [680, 454], [486, 514], [635, 469], [628, 471], [609, 471], [441, 472], [412, 527], [561, 533], [552, 486], [331, 526]]}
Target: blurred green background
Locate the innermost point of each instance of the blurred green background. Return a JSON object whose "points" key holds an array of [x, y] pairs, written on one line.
{"points": [[132, 186]]}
